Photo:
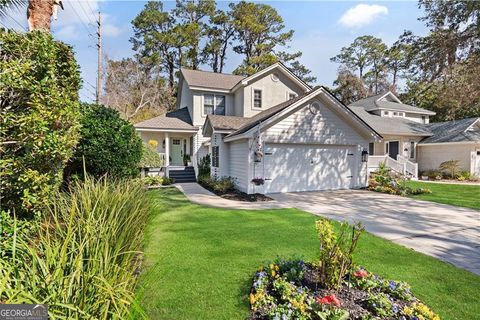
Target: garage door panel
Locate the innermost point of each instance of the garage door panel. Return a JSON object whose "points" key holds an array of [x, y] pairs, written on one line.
{"points": [[290, 168]]}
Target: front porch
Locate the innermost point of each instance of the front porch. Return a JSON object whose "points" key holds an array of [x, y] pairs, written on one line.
{"points": [[400, 165]]}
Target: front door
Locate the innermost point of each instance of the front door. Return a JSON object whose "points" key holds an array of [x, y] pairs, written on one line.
{"points": [[176, 152], [393, 149]]}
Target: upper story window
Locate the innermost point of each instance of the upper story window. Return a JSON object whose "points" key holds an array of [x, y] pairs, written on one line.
{"points": [[257, 98], [292, 96], [385, 113], [214, 104], [424, 119]]}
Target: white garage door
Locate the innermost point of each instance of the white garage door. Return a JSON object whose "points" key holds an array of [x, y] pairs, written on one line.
{"points": [[290, 167]]}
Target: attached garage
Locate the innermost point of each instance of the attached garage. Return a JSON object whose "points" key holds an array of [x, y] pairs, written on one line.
{"points": [[309, 143], [294, 167]]}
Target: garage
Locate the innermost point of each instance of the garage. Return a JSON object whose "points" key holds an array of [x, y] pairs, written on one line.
{"points": [[297, 167]]}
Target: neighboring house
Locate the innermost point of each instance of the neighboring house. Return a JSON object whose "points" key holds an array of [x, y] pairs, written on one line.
{"points": [[271, 126], [411, 143]]}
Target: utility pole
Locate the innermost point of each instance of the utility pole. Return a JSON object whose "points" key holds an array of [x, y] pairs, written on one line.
{"points": [[99, 62]]}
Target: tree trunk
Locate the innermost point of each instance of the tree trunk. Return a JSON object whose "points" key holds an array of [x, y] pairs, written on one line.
{"points": [[39, 14]]}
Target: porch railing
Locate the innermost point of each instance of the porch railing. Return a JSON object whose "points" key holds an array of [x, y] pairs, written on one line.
{"points": [[402, 165]]}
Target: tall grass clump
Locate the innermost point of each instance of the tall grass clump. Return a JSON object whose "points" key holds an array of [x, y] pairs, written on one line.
{"points": [[84, 259]]}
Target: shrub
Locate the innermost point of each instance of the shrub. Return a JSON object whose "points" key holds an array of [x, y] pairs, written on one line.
{"points": [[432, 174], [384, 181], [39, 84], [108, 144], [336, 251], [204, 166], [221, 185], [450, 168], [150, 157], [156, 180], [87, 253]]}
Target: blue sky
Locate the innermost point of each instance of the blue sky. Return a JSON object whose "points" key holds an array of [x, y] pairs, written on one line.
{"points": [[321, 28]]}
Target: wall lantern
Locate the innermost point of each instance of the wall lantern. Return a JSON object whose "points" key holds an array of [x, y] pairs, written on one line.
{"points": [[364, 156]]}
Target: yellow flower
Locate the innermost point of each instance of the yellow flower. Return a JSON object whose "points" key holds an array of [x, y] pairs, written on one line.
{"points": [[252, 299]]}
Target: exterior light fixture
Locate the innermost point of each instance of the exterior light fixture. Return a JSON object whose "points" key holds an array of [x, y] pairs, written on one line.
{"points": [[364, 156]]}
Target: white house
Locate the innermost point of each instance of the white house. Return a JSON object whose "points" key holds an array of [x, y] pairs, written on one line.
{"points": [[271, 126]]}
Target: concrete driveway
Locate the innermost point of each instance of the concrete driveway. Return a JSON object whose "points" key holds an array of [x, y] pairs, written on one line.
{"points": [[449, 233]]}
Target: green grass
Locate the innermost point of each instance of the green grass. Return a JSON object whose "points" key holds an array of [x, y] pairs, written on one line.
{"points": [[455, 194], [200, 260]]}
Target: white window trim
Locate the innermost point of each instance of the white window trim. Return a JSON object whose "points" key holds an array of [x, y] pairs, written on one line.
{"points": [[204, 115], [253, 99]]}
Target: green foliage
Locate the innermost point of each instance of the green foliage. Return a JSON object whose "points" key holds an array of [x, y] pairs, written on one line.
{"points": [[150, 158], [39, 83], [450, 168], [85, 256], [108, 145], [380, 304], [156, 181], [12, 229], [204, 166], [383, 180], [432, 174], [218, 185], [336, 250]]}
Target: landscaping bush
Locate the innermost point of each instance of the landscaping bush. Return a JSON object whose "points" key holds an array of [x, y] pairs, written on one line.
{"points": [[386, 182], [293, 289], [432, 174], [450, 168], [39, 84], [109, 145], [218, 185], [84, 259], [150, 157], [204, 166], [156, 181]]}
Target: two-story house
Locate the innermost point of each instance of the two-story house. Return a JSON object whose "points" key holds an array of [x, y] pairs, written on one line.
{"points": [[270, 125], [273, 133]]}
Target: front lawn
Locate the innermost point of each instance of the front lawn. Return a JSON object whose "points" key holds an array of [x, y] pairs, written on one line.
{"points": [[200, 261], [455, 194]]}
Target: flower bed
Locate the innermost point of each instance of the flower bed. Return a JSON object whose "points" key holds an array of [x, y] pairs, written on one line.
{"points": [[383, 180], [291, 289]]}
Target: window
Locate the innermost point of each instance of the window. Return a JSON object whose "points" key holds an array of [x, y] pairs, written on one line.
{"points": [[208, 103], [213, 104], [257, 98], [291, 96], [412, 149], [385, 113], [371, 148], [395, 114], [424, 119], [220, 105], [386, 147], [176, 141], [215, 157]]}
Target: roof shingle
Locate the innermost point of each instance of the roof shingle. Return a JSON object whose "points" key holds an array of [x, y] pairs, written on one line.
{"points": [[227, 122], [178, 119], [214, 80], [452, 131]]}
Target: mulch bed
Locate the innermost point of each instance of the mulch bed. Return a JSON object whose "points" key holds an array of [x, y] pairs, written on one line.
{"points": [[240, 196]]}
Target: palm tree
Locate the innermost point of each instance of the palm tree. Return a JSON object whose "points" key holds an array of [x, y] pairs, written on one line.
{"points": [[39, 12]]}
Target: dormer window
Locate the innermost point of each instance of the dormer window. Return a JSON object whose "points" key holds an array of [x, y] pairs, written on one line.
{"points": [[214, 104], [257, 98], [385, 113]]}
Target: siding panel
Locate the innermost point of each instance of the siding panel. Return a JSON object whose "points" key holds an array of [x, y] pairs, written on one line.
{"points": [[239, 163]]}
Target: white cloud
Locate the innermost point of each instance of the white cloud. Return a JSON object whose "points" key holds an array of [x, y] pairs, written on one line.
{"points": [[362, 15]]}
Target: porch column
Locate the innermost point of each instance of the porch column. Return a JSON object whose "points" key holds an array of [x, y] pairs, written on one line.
{"points": [[167, 149]]}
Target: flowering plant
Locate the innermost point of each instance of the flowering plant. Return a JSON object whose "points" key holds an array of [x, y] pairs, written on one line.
{"points": [[330, 299]]}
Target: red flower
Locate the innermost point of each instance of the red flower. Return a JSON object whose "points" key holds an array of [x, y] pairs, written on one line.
{"points": [[360, 274], [331, 299]]}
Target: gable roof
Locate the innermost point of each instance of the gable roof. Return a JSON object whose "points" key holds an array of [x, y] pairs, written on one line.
{"points": [[207, 79], [386, 125], [176, 120], [383, 102], [280, 66], [453, 131], [269, 113]]}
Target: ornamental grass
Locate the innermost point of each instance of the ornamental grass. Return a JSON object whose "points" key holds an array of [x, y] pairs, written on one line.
{"points": [[82, 261]]}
